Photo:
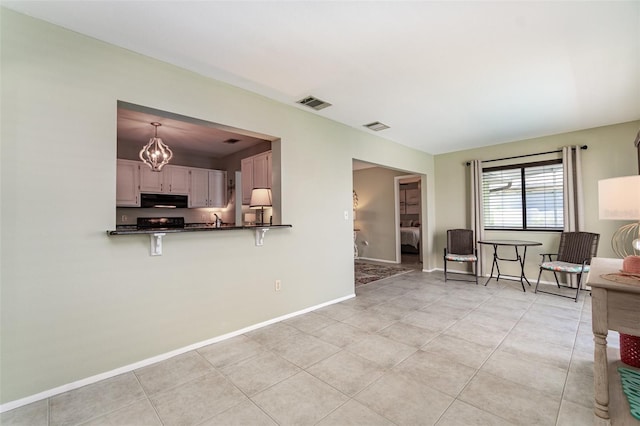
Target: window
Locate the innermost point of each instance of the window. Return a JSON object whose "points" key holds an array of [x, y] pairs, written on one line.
{"points": [[524, 196]]}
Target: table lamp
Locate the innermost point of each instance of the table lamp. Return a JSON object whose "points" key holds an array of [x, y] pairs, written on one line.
{"points": [[619, 199], [260, 198]]}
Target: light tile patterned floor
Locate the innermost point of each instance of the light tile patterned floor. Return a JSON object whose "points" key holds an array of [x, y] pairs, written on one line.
{"points": [[408, 350]]}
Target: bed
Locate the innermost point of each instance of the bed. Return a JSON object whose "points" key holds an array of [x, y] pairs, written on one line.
{"points": [[410, 239]]}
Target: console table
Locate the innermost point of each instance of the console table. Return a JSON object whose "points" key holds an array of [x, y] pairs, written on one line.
{"points": [[615, 306]]}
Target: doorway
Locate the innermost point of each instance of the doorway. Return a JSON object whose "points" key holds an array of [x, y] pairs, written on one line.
{"points": [[409, 220]]}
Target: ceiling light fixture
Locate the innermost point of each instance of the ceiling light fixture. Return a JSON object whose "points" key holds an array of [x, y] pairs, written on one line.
{"points": [[156, 154]]}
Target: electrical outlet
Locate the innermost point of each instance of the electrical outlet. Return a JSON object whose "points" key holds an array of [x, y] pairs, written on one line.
{"points": [[346, 215], [278, 285], [123, 218]]}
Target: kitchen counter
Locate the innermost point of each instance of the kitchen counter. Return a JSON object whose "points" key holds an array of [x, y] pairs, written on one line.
{"points": [[197, 227], [156, 234]]}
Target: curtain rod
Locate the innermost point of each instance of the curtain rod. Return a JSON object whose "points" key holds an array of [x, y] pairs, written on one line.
{"points": [[526, 155]]}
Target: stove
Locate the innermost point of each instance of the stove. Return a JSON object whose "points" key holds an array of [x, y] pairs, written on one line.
{"points": [[160, 223]]}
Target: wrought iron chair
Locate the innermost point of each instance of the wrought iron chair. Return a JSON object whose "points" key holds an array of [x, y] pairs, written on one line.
{"points": [[460, 248], [574, 256]]}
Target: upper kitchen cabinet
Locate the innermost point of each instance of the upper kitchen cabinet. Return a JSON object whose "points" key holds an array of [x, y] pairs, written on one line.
{"points": [[256, 173], [127, 183], [170, 180], [217, 188], [207, 188]]}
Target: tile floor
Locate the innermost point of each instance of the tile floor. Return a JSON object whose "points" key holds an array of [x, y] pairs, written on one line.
{"points": [[408, 350]]}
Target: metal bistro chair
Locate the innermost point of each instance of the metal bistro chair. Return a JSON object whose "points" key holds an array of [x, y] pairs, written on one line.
{"points": [[574, 256], [460, 248]]}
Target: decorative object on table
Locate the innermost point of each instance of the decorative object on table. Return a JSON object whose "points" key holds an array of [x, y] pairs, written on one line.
{"points": [[619, 199], [461, 247], [623, 277], [631, 265], [155, 154], [630, 380], [260, 198], [629, 274], [366, 273], [574, 257]]}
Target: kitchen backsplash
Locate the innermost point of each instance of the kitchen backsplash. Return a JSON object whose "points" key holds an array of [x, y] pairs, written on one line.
{"points": [[129, 216]]}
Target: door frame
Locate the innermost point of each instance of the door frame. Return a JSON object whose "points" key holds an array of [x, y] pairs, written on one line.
{"points": [[396, 186]]}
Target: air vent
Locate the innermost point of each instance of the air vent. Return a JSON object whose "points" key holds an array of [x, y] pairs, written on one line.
{"points": [[376, 126], [231, 141], [314, 103]]}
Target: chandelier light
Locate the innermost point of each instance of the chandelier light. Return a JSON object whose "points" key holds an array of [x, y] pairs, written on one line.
{"points": [[156, 153]]}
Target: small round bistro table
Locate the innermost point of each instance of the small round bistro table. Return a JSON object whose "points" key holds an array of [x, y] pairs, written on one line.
{"points": [[516, 244]]}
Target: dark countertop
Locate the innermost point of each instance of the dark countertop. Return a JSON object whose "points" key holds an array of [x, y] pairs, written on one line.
{"points": [[133, 229]]}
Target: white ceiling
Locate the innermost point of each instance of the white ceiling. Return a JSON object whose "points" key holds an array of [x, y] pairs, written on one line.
{"points": [[445, 76]]}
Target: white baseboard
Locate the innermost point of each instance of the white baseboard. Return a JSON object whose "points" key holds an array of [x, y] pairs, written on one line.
{"points": [[377, 260], [149, 361]]}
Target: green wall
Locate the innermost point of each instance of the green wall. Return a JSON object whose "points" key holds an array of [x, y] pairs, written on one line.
{"points": [[610, 153], [76, 303]]}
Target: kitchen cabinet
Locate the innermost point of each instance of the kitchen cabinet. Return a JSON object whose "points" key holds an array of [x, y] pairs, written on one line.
{"points": [[262, 170], [207, 188], [128, 183], [256, 173], [177, 178], [170, 180], [217, 188], [246, 168]]}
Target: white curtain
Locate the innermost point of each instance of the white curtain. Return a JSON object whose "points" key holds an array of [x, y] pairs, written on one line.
{"points": [[477, 216], [573, 198]]}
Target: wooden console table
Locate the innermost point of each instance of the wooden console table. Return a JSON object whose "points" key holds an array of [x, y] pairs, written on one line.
{"points": [[615, 306]]}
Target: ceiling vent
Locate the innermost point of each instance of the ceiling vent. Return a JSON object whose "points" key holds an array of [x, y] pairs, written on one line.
{"points": [[314, 103], [231, 141], [376, 126]]}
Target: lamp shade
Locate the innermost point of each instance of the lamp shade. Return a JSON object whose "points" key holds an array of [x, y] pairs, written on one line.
{"points": [[260, 197], [619, 198]]}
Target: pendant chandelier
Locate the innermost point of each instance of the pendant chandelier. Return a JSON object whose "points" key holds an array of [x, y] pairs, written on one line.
{"points": [[156, 153]]}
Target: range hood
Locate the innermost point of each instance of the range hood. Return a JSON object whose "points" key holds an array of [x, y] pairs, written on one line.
{"points": [[167, 201]]}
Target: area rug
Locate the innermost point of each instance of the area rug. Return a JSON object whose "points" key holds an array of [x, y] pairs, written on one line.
{"points": [[370, 272]]}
